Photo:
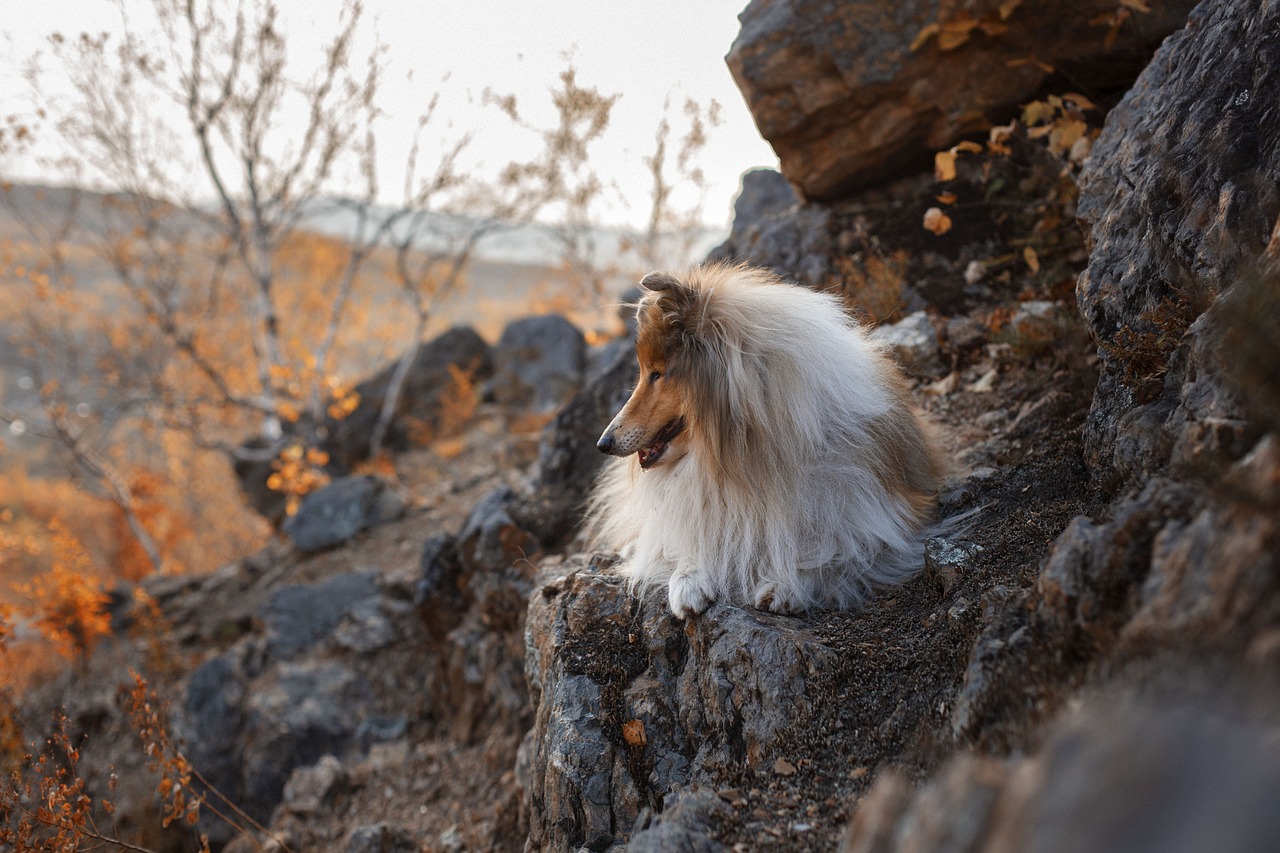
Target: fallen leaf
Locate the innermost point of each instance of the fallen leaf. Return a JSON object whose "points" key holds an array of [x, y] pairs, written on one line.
{"points": [[924, 35], [782, 767], [1007, 7], [944, 165], [946, 198], [937, 221], [1136, 5], [1033, 260], [633, 733], [967, 145]]}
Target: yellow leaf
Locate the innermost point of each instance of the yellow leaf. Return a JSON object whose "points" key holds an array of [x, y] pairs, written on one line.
{"points": [[1065, 134], [1033, 260], [1007, 7], [946, 198], [971, 147], [1037, 112], [944, 165], [923, 36], [950, 39], [937, 221]]}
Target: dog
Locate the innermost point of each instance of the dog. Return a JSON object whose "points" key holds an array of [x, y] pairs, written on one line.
{"points": [[769, 455]]}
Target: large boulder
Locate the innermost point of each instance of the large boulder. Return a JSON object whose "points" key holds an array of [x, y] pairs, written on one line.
{"points": [[430, 379], [344, 508], [852, 92], [1177, 774], [771, 229], [538, 363], [1182, 193]]}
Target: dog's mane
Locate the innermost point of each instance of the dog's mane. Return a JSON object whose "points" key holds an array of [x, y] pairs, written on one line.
{"points": [[804, 451]]}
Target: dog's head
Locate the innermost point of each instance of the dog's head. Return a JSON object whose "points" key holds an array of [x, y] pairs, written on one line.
{"points": [[655, 422]]}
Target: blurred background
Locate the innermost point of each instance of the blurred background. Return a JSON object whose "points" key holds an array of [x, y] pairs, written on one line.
{"points": [[218, 218]]}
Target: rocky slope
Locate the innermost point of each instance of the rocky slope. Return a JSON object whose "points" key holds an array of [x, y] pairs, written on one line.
{"points": [[1092, 665]]}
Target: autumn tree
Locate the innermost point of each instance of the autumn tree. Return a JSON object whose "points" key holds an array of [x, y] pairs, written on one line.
{"points": [[231, 319]]}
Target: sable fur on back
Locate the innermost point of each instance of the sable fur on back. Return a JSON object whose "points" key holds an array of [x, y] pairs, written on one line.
{"points": [[808, 475]]}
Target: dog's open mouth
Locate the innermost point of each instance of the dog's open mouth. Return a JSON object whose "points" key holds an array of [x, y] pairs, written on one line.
{"points": [[651, 454]]}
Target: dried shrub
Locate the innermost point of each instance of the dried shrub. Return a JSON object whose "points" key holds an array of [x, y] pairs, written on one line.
{"points": [[1143, 348], [873, 283]]}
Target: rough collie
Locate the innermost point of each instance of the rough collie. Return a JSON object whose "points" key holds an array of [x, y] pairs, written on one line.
{"points": [[769, 455]]}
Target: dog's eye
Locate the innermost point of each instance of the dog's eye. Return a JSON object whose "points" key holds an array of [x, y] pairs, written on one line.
{"points": [[655, 376]]}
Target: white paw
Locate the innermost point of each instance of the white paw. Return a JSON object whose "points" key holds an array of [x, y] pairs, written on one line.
{"points": [[689, 594], [777, 598]]}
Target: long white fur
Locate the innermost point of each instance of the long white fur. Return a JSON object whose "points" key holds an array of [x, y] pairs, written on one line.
{"points": [[812, 525]]}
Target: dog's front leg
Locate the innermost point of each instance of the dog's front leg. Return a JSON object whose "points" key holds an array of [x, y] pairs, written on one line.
{"points": [[689, 592]]}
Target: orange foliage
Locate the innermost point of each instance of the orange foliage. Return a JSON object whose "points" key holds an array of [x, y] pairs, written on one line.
{"points": [[298, 471], [66, 604]]}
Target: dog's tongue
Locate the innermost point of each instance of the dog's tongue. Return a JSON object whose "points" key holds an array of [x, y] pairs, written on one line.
{"points": [[650, 453]]}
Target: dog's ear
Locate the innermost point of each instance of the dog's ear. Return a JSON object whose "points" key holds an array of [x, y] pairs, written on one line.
{"points": [[674, 297], [659, 281]]}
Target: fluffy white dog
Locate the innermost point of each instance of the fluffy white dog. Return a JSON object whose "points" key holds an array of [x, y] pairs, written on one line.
{"points": [[770, 454]]}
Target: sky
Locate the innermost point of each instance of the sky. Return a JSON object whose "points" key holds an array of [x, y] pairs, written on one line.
{"points": [[649, 53]]}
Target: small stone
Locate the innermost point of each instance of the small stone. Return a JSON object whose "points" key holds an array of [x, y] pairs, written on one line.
{"points": [[782, 767], [975, 272], [945, 561], [986, 383], [913, 341]]}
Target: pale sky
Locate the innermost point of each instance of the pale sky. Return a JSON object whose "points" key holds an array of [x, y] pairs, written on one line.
{"points": [[646, 51]]}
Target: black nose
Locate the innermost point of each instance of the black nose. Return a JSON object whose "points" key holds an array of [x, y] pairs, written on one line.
{"points": [[605, 443]]}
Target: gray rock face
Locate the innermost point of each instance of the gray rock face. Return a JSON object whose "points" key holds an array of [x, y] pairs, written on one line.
{"points": [[346, 507], [770, 231], [299, 617], [293, 717], [422, 397], [538, 363], [568, 460], [381, 838], [855, 92], [1120, 776], [633, 706], [1181, 192]]}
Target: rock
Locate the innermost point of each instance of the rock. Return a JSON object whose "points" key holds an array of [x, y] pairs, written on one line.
{"points": [[293, 717], [298, 617], [538, 363], [599, 660], [366, 627], [346, 507], [311, 790], [1138, 776], [568, 460], [945, 561], [847, 96], [381, 838], [913, 341], [422, 398], [686, 825], [796, 243], [210, 723], [1180, 194], [965, 334], [489, 539]]}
